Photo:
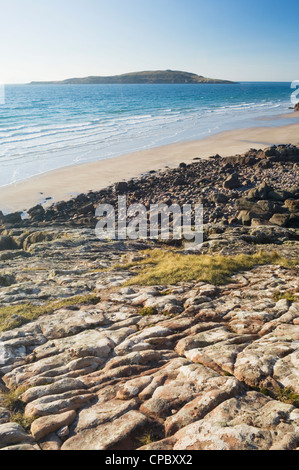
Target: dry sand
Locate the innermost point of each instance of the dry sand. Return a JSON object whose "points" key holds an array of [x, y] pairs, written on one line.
{"points": [[64, 183]]}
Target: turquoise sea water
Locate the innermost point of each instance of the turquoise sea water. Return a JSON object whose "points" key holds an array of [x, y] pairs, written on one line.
{"points": [[45, 127]]}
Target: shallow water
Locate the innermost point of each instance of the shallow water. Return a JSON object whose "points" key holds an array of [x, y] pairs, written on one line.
{"points": [[45, 127]]}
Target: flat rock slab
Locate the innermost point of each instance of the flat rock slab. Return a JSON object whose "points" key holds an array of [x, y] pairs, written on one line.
{"points": [[122, 430], [13, 433], [252, 422], [48, 424]]}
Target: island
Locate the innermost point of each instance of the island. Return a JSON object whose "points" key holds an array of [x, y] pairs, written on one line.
{"points": [[153, 77]]}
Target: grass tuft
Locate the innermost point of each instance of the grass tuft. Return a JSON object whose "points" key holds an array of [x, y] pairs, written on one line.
{"points": [[12, 401], [14, 316], [147, 439], [160, 267], [20, 419], [287, 395], [148, 312], [290, 296]]}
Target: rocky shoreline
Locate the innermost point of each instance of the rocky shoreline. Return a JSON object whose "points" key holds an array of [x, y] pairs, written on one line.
{"points": [[91, 360]]}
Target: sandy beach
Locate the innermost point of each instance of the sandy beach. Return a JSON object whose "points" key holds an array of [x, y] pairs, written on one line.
{"points": [[64, 183]]}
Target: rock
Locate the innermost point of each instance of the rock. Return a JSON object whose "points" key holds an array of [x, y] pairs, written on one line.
{"points": [[55, 404], [247, 423], [7, 280], [165, 444], [256, 212], [297, 107], [40, 237], [5, 415], [37, 213], [245, 217], [266, 206], [215, 393], [7, 243], [21, 447], [57, 388], [255, 222], [166, 304], [61, 324], [260, 192], [292, 205], [294, 220], [220, 198], [244, 204], [179, 181], [257, 360], [272, 151], [14, 218], [63, 433], [87, 209], [44, 426], [13, 433], [133, 388], [102, 413], [121, 187], [188, 383], [140, 342], [232, 182], [280, 219], [86, 344], [286, 371], [118, 434], [278, 195], [249, 159], [50, 443], [9, 355]]}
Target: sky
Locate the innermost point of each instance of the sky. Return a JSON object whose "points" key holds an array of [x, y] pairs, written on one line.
{"points": [[241, 40]]}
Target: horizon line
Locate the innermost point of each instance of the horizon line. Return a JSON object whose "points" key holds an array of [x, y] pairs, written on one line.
{"points": [[121, 84]]}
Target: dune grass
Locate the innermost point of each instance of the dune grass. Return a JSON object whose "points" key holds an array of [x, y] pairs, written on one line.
{"points": [[160, 267], [14, 316]]}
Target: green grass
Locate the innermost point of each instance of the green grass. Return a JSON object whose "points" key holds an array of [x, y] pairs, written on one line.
{"points": [[160, 267], [290, 296], [14, 316], [287, 395], [12, 401], [148, 312], [165, 293], [20, 419], [147, 439]]}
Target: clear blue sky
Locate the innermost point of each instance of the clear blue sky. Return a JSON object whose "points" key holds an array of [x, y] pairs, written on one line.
{"points": [[229, 39]]}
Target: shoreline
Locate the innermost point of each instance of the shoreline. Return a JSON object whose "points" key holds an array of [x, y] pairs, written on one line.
{"points": [[67, 182]]}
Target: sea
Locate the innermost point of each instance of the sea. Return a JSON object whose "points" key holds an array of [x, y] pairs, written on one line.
{"points": [[45, 127]]}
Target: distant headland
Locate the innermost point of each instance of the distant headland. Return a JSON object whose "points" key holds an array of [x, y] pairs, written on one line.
{"points": [[153, 77]]}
